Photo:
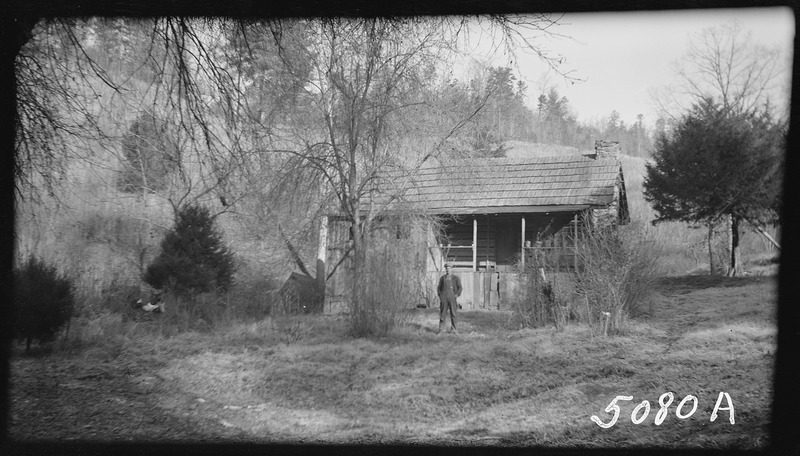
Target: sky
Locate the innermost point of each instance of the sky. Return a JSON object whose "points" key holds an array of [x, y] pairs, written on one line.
{"points": [[621, 57]]}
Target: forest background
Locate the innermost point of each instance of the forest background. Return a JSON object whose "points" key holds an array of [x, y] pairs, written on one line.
{"points": [[151, 129], [84, 207]]}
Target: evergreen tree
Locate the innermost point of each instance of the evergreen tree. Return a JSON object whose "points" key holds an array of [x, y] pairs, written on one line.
{"points": [[500, 114], [717, 164], [43, 302], [193, 256], [555, 122]]}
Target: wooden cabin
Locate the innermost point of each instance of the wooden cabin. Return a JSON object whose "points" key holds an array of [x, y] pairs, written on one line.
{"points": [[500, 213]]}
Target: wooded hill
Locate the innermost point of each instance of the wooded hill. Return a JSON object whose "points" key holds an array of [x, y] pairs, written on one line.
{"points": [[267, 124]]}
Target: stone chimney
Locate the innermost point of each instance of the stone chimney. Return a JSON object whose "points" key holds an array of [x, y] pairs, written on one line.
{"points": [[607, 149]]}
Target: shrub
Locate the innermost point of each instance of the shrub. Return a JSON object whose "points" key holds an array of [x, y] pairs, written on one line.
{"points": [[253, 299], [300, 294], [43, 302], [616, 274], [193, 257], [540, 299], [386, 288], [101, 331]]}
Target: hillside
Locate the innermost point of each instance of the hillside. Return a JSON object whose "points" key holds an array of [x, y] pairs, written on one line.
{"points": [[520, 149]]}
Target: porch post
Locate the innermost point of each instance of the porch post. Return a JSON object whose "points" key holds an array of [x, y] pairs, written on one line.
{"points": [[322, 256], [523, 244], [575, 243], [474, 244]]}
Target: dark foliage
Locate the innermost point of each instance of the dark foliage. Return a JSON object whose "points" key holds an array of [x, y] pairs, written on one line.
{"points": [[151, 156], [193, 257], [43, 302], [301, 294], [717, 163]]}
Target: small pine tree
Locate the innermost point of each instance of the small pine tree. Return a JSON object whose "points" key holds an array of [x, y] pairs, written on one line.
{"points": [[193, 258], [43, 302]]}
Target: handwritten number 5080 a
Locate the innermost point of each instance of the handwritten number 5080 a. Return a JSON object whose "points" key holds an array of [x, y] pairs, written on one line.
{"points": [[641, 411]]}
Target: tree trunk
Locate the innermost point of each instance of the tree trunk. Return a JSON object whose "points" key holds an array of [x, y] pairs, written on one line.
{"points": [[733, 245], [293, 251], [322, 257], [764, 233], [710, 250], [358, 265]]}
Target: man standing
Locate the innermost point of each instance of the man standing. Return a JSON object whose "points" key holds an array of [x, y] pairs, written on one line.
{"points": [[449, 289]]}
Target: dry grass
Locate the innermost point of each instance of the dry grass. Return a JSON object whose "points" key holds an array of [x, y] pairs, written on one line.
{"points": [[302, 379]]}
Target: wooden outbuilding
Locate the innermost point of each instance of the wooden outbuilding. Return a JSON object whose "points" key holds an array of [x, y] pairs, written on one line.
{"points": [[500, 213]]}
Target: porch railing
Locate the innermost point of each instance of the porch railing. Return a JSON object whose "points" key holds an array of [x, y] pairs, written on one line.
{"points": [[556, 250], [445, 252], [558, 257]]}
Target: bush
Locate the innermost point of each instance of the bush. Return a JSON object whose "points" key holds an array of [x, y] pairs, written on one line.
{"points": [[540, 299], [386, 289], [300, 294], [104, 331], [616, 274], [253, 299], [43, 302], [193, 257]]}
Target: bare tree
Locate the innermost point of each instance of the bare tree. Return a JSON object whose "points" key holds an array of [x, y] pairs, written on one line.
{"points": [[744, 77], [53, 113], [64, 115], [366, 105], [725, 64], [356, 99]]}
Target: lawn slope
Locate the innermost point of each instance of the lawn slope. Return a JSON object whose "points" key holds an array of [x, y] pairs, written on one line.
{"points": [[302, 379]]}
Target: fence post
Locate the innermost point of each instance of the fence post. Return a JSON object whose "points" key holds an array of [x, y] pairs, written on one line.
{"points": [[523, 244], [605, 325], [475, 244], [575, 243], [322, 257]]}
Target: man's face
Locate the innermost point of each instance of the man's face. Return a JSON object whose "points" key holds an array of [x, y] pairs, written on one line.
{"points": [[447, 269]]}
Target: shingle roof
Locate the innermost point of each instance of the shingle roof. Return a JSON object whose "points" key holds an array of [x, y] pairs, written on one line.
{"points": [[489, 185]]}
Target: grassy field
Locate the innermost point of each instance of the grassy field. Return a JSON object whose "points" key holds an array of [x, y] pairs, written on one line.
{"points": [[303, 380]]}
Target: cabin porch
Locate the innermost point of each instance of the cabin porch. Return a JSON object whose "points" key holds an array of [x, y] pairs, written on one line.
{"points": [[489, 251]]}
